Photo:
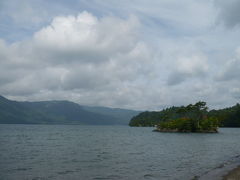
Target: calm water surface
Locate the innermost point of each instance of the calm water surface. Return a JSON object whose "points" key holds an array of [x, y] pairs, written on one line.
{"points": [[74, 152]]}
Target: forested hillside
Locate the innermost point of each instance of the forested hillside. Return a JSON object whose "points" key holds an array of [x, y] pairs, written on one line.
{"points": [[59, 112], [227, 117]]}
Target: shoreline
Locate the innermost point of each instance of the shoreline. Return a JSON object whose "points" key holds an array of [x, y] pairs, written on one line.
{"points": [[229, 170], [178, 131], [233, 174]]}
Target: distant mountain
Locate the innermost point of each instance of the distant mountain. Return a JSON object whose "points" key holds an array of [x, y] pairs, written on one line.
{"points": [[121, 116], [60, 112]]}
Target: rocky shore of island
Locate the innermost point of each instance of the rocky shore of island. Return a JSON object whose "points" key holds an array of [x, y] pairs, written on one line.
{"points": [[184, 131]]}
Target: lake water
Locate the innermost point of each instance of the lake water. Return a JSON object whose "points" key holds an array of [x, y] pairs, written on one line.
{"points": [[74, 152]]}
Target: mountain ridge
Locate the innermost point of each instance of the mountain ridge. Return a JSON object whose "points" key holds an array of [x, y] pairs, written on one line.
{"points": [[60, 112]]}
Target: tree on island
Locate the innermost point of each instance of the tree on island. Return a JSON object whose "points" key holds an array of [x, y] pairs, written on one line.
{"points": [[192, 118]]}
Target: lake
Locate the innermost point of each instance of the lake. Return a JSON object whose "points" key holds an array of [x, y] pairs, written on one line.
{"points": [[76, 152]]}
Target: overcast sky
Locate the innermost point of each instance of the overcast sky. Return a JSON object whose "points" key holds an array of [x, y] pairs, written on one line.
{"points": [[138, 54]]}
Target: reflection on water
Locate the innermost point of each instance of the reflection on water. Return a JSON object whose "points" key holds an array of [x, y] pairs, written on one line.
{"points": [[110, 152]]}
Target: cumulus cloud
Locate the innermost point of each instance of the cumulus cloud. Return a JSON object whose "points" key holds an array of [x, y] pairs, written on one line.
{"points": [[87, 37], [81, 53]]}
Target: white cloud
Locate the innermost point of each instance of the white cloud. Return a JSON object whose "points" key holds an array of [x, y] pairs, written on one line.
{"points": [[196, 64], [85, 54], [88, 37], [188, 67]]}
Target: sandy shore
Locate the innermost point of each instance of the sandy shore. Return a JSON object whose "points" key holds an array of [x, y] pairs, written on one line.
{"points": [[228, 171], [233, 175]]}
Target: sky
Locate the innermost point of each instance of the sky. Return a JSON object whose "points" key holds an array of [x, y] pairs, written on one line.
{"points": [[138, 54]]}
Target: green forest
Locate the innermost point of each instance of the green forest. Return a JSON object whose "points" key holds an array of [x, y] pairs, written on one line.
{"points": [[192, 118]]}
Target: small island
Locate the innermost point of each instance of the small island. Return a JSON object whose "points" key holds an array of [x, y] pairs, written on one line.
{"points": [[191, 118], [186, 124]]}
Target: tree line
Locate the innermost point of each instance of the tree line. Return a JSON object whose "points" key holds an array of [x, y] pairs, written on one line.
{"points": [[191, 117]]}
